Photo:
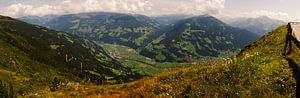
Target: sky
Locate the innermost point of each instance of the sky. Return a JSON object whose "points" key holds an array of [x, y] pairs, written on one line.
{"points": [[286, 10]]}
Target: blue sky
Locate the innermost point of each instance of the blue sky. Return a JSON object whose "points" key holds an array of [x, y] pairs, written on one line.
{"points": [[278, 9]]}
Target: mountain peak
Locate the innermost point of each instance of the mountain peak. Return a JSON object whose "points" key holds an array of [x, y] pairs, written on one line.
{"points": [[204, 18]]}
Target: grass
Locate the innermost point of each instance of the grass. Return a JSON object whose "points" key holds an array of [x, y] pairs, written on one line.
{"points": [[14, 70]]}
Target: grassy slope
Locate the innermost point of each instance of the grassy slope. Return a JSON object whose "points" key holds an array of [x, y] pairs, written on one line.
{"points": [[259, 70], [20, 70]]}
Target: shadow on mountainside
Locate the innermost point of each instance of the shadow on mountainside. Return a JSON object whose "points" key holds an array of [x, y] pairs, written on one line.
{"points": [[292, 64], [296, 74]]}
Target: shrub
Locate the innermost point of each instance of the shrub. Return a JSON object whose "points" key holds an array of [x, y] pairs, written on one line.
{"points": [[54, 84]]}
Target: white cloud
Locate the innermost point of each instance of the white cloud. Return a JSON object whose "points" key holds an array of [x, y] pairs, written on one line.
{"points": [[148, 7], [195, 7], [210, 6], [21, 10], [16, 9], [66, 1]]}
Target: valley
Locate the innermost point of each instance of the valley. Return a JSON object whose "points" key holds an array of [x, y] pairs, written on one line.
{"points": [[138, 63], [259, 70], [108, 54]]}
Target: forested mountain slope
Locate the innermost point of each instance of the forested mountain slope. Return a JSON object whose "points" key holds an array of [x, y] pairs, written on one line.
{"points": [[124, 29], [31, 56], [196, 37]]}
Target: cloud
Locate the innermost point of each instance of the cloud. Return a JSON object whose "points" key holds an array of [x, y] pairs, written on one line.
{"points": [[23, 10], [76, 6], [66, 1], [148, 7], [210, 6], [16, 9], [195, 7]]}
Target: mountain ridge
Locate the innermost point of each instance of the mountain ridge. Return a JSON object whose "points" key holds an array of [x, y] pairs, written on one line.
{"points": [[131, 30], [191, 34]]}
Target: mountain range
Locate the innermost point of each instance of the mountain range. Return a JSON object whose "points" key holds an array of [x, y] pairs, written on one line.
{"points": [[124, 29], [200, 36]]}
